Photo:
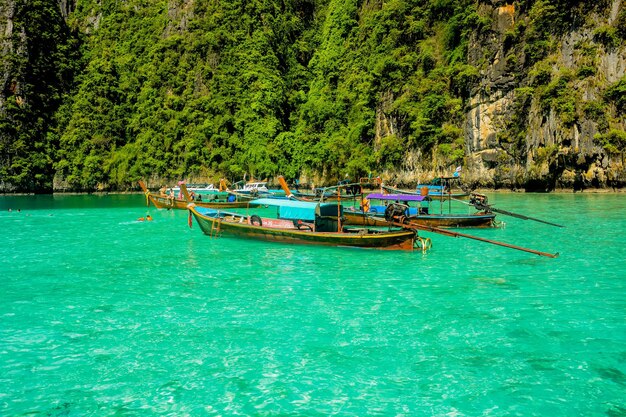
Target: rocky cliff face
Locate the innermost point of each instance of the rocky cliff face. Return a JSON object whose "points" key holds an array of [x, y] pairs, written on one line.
{"points": [[7, 12], [11, 43], [535, 125]]}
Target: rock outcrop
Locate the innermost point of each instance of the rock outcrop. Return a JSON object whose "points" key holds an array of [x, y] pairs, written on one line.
{"points": [[535, 125]]}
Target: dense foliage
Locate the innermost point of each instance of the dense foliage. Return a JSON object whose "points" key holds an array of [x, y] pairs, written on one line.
{"points": [[263, 88], [42, 65], [318, 88]]}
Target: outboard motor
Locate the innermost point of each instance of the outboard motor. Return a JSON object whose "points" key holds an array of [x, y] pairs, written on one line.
{"points": [[479, 201], [396, 212]]}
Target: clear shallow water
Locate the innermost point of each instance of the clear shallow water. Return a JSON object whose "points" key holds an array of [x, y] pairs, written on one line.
{"points": [[102, 315]]}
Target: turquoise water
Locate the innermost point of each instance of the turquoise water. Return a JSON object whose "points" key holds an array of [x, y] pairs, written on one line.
{"points": [[103, 315]]}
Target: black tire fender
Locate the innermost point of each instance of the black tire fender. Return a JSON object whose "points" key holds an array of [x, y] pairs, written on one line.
{"points": [[389, 212]]}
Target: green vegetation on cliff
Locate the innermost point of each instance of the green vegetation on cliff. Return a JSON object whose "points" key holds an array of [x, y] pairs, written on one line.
{"points": [[263, 88], [39, 71], [169, 89]]}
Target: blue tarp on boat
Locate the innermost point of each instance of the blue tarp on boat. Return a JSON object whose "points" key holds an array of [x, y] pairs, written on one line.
{"points": [[298, 210]]}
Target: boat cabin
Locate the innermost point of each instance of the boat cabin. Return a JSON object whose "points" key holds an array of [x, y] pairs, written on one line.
{"points": [[323, 216]]}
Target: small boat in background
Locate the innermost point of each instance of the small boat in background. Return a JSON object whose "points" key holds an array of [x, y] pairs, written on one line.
{"points": [[441, 188], [254, 189], [221, 200], [200, 189]]}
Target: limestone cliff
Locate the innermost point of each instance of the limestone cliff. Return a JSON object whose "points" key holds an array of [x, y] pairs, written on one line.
{"points": [[9, 44], [525, 94], [539, 125]]}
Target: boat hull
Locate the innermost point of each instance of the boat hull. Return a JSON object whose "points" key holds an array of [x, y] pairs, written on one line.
{"points": [[364, 238]]}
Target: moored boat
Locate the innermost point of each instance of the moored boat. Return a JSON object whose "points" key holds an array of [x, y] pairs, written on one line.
{"points": [[374, 213], [171, 201], [304, 223], [202, 191], [254, 189], [441, 189]]}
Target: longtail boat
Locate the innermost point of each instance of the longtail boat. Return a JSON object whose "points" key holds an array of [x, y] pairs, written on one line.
{"points": [[164, 201], [441, 189], [304, 223], [372, 214]]}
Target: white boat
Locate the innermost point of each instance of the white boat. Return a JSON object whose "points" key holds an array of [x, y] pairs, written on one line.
{"points": [[251, 187], [198, 188]]}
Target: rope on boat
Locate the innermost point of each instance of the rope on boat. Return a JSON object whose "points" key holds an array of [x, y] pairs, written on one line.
{"points": [[147, 193], [422, 243]]}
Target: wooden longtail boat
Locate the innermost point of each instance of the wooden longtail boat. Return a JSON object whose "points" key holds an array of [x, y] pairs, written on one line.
{"points": [[441, 189], [422, 215], [163, 201], [302, 222]]}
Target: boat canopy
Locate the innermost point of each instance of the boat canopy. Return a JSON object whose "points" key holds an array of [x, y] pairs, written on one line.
{"points": [[394, 197], [298, 210]]}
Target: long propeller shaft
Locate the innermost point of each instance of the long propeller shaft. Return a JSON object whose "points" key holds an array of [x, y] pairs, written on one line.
{"points": [[457, 234]]}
